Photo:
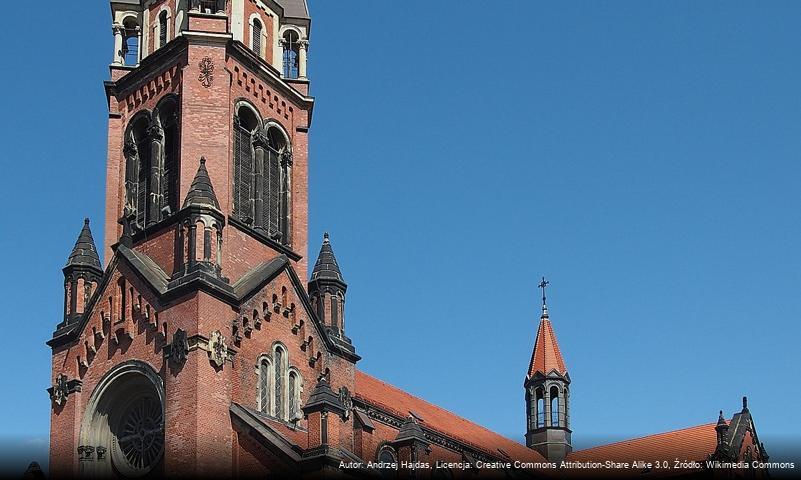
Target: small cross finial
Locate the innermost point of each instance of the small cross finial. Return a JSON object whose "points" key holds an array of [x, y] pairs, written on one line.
{"points": [[543, 285]]}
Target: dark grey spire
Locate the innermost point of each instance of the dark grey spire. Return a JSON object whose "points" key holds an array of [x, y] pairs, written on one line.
{"points": [[323, 398], [84, 253], [410, 431], [201, 192], [327, 267]]}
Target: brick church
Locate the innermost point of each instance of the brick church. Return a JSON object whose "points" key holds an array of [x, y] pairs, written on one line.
{"points": [[202, 345]]}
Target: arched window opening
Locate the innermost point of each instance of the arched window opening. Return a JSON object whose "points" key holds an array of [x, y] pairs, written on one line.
{"points": [[264, 386], [276, 185], [245, 125], [278, 381], [130, 42], [294, 396], [169, 118], [137, 177], [540, 408], [291, 53], [256, 40], [334, 311], [163, 28], [262, 162], [554, 407], [387, 457], [321, 309]]}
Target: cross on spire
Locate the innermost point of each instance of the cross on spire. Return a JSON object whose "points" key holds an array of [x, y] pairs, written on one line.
{"points": [[543, 285]]}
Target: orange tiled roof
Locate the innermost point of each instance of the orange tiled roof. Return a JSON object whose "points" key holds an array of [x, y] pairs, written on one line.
{"points": [[546, 355], [394, 400], [688, 444]]}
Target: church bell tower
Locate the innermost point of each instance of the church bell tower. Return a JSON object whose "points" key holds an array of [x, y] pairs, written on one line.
{"points": [[198, 315], [547, 393]]}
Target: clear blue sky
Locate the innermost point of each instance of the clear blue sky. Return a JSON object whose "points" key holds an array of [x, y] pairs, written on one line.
{"points": [[643, 155]]}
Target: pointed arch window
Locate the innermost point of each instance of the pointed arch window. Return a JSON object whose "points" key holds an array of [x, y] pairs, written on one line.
{"points": [[137, 179], [294, 395], [256, 34], [554, 407], [163, 28], [152, 153], [264, 386], [262, 163], [280, 407], [335, 311], [540, 400]]}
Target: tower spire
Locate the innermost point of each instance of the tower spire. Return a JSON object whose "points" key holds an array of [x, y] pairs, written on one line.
{"points": [[547, 382], [84, 253]]}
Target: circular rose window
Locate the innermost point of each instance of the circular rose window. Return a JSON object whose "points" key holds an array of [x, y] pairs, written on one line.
{"points": [[140, 439], [125, 417]]}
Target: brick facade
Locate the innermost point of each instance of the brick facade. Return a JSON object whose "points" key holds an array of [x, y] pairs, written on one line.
{"points": [[153, 318]]}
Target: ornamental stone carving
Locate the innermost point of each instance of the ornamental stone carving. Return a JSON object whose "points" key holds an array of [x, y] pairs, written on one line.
{"points": [[206, 68], [61, 389], [218, 350], [179, 348]]}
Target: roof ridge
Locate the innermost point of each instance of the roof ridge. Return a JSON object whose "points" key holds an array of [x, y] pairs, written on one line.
{"points": [[621, 442], [427, 425]]}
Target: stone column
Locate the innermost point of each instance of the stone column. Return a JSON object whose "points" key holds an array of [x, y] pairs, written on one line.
{"points": [[547, 405], [260, 149], [302, 55], [139, 46], [155, 195], [119, 31]]}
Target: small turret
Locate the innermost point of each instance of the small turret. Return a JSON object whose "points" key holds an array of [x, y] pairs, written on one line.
{"points": [[327, 289], [81, 275], [547, 393], [199, 236]]}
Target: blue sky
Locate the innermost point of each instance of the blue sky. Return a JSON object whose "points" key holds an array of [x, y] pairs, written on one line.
{"points": [[642, 155]]}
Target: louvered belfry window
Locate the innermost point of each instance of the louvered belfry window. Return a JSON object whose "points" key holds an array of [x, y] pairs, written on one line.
{"points": [[243, 169], [257, 37], [162, 29], [272, 206], [143, 180], [172, 155], [272, 184]]}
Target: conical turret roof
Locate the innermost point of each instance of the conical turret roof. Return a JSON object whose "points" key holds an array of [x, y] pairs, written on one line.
{"points": [[546, 356], [201, 192], [327, 267], [84, 253]]}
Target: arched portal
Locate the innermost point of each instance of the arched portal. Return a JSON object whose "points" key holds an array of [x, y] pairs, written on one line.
{"points": [[125, 420]]}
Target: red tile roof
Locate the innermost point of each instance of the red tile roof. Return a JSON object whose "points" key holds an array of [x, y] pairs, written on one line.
{"points": [[688, 444], [394, 400], [546, 355]]}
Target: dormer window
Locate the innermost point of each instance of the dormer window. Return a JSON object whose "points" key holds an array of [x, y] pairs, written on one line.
{"points": [[291, 43]]}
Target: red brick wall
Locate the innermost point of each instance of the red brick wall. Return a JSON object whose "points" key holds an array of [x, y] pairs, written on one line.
{"points": [[268, 34]]}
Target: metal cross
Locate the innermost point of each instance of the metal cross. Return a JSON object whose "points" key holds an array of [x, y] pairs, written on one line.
{"points": [[543, 284]]}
